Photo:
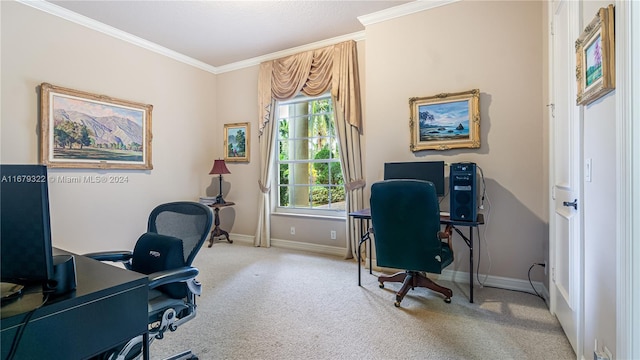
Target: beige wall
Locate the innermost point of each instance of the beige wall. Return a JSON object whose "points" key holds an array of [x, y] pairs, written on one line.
{"points": [[38, 47], [447, 49], [236, 101], [493, 46]]}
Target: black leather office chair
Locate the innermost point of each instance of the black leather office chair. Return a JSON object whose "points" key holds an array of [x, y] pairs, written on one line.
{"points": [[405, 215], [175, 234]]}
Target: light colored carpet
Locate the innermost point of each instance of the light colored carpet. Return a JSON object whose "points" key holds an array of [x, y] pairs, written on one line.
{"points": [[270, 303]]}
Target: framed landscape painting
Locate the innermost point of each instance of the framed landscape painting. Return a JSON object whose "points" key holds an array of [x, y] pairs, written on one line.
{"points": [[445, 121], [236, 142], [83, 130], [595, 58]]}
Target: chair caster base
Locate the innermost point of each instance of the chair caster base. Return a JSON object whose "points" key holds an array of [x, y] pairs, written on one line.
{"points": [[447, 300], [396, 304]]}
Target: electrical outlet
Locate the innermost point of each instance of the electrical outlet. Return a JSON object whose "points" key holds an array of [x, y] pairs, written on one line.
{"points": [[333, 234], [293, 230]]}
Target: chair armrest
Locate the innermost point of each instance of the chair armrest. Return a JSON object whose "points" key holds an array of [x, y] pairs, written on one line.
{"points": [[115, 256], [172, 276]]}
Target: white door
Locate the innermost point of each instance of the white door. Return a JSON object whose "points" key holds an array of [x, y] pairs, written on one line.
{"points": [[565, 237]]}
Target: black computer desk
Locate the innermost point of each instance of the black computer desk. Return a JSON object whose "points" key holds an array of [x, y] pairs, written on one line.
{"points": [[108, 307], [364, 216]]}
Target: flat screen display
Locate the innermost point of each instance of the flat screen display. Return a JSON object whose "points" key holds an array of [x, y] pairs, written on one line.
{"points": [[421, 170], [25, 225]]}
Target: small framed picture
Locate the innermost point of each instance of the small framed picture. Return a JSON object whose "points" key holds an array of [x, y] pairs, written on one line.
{"points": [[445, 121], [236, 142], [595, 58], [83, 130]]}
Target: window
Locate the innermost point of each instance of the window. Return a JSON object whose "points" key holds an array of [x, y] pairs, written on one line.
{"points": [[310, 176]]}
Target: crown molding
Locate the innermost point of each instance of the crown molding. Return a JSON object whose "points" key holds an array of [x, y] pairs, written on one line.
{"points": [[391, 13], [402, 10], [111, 31], [356, 36]]}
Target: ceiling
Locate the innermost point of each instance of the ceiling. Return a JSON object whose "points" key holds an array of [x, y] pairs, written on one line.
{"points": [[220, 33]]}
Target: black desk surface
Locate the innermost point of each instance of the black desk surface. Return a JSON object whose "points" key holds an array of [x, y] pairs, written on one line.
{"points": [[444, 219], [108, 307]]}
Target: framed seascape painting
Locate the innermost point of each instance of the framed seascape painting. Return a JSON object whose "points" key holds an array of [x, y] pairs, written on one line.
{"points": [[445, 121], [595, 58], [83, 130], [236, 142]]}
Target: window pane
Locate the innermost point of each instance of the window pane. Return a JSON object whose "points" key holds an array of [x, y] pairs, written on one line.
{"points": [[284, 173], [310, 175], [283, 196]]}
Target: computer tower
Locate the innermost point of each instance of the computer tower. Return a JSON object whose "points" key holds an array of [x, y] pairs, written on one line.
{"points": [[462, 192]]}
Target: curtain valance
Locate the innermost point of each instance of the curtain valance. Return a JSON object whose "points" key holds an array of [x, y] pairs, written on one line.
{"points": [[313, 73]]}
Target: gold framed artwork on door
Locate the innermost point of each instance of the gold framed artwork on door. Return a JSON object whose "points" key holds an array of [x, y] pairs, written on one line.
{"points": [[445, 121], [595, 58]]}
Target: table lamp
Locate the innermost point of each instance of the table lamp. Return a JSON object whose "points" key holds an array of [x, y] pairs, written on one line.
{"points": [[219, 168]]}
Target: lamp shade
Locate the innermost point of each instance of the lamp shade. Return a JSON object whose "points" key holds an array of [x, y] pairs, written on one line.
{"points": [[219, 167]]}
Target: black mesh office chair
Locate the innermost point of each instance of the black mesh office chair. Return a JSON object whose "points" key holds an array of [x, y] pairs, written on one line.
{"points": [[405, 215], [175, 234]]}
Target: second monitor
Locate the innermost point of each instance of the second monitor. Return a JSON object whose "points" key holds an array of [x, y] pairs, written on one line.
{"points": [[421, 170]]}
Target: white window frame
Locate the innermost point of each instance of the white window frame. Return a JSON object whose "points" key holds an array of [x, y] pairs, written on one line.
{"points": [[292, 211]]}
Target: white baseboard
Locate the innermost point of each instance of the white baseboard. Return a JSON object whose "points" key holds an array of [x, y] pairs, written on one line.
{"points": [[496, 281], [295, 245], [239, 238], [462, 277], [316, 248], [447, 275]]}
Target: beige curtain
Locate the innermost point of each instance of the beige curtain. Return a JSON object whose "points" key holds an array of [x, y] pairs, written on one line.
{"points": [[313, 72]]}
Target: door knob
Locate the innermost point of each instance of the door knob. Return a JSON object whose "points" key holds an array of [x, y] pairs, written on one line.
{"points": [[574, 204]]}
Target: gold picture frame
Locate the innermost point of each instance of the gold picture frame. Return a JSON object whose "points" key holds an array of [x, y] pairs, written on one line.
{"points": [[595, 58], [236, 142], [83, 130], [445, 121]]}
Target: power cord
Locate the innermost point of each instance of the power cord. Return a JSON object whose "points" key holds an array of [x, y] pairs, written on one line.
{"points": [[18, 336], [535, 293], [531, 283], [484, 187], [480, 238], [484, 232]]}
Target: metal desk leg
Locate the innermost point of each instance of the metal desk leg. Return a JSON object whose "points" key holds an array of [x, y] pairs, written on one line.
{"points": [[359, 259], [359, 250], [469, 242], [145, 346], [370, 249], [470, 264], [364, 237]]}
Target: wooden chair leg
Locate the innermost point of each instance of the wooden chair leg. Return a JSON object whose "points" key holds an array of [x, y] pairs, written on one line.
{"points": [[411, 280], [423, 281], [408, 284], [397, 277]]}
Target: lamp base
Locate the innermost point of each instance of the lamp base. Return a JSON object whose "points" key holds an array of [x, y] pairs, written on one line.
{"points": [[219, 199]]}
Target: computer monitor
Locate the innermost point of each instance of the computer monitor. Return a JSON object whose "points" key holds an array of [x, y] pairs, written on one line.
{"points": [[422, 170], [26, 250]]}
